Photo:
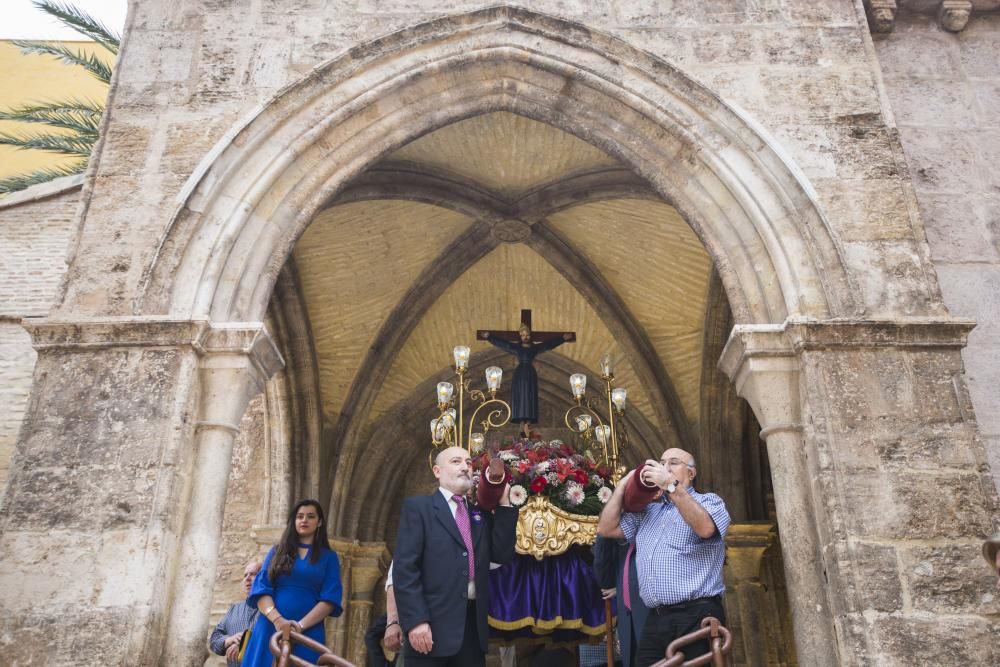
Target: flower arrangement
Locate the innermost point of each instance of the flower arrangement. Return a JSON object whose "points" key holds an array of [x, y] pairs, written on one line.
{"points": [[570, 481]]}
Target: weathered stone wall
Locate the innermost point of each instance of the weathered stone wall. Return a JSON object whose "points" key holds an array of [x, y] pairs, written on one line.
{"points": [[36, 227], [908, 497], [945, 94], [803, 69]]}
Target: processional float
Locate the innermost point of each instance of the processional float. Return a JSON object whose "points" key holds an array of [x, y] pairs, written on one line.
{"points": [[548, 593]]}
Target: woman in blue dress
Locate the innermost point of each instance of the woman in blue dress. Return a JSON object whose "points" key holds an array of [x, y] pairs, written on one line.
{"points": [[298, 586]]}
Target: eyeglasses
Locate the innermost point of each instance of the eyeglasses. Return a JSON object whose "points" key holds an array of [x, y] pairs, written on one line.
{"points": [[678, 462]]}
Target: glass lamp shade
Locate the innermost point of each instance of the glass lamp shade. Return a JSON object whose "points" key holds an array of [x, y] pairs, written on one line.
{"points": [[618, 398], [606, 368], [578, 383], [445, 391], [477, 442], [583, 422], [493, 376], [603, 434], [448, 418], [437, 429], [461, 353]]}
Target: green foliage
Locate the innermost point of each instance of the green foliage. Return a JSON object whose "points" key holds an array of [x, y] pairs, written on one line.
{"points": [[81, 118]]}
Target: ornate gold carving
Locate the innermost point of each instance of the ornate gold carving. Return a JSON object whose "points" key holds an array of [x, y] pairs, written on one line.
{"points": [[545, 530]]}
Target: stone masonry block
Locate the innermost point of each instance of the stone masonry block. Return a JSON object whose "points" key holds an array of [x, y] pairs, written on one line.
{"points": [[893, 277], [915, 505], [958, 229], [905, 641], [973, 290], [877, 563], [932, 103], [923, 55], [980, 48], [866, 209], [983, 363], [941, 159], [987, 100], [115, 404], [951, 579]]}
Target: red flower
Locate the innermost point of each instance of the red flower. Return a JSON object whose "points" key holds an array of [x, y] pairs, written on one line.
{"points": [[539, 485], [564, 469], [523, 467], [581, 476]]}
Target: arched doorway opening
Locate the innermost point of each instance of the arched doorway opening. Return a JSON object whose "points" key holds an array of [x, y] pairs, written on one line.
{"points": [[669, 139]]}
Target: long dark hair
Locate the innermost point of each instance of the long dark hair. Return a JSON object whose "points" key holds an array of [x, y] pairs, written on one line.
{"points": [[286, 551]]}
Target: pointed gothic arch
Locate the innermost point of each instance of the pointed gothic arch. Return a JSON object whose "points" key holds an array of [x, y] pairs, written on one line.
{"points": [[256, 192]]}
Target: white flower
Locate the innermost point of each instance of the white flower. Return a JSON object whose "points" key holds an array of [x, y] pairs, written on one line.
{"points": [[508, 455], [596, 479], [574, 493], [555, 443], [518, 495], [552, 477], [604, 494], [542, 467]]}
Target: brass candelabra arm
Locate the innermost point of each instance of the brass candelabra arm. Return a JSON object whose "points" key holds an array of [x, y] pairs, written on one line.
{"points": [[497, 416]]}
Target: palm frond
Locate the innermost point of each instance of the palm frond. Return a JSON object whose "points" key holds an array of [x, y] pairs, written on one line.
{"points": [[89, 62], [84, 121], [82, 22], [15, 183], [63, 144]]}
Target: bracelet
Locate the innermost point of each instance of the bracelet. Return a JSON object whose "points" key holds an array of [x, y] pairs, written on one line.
{"points": [[390, 624]]}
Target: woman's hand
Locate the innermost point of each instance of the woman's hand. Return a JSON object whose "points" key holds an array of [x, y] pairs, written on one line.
{"points": [[283, 623]]}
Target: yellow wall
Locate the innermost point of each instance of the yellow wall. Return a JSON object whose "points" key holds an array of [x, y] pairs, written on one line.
{"points": [[31, 78]]}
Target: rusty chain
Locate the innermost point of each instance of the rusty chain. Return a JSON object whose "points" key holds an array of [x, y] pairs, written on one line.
{"points": [[720, 640], [281, 649]]}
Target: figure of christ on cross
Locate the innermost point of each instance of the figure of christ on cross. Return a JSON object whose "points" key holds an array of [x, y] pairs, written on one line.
{"points": [[525, 344]]}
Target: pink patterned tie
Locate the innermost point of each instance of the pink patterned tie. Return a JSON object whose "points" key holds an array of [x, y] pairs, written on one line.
{"points": [[462, 519], [626, 577]]}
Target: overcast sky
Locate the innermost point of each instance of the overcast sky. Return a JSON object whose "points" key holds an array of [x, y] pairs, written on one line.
{"points": [[21, 20]]}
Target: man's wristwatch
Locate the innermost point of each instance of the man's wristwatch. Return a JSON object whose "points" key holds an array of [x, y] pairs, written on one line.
{"points": [[672, 486], [390, 624]]}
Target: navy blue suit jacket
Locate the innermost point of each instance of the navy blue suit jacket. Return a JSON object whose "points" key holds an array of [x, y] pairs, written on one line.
{"points": [[431, 569]]}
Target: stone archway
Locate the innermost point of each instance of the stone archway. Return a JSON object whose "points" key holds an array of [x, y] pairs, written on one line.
{"points": [[256, 192]]}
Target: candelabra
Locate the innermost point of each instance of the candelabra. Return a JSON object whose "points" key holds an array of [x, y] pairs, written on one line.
{"points": [[581, 415], [449, 426]]}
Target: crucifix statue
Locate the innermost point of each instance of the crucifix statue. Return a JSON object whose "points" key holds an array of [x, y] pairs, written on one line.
{"points": [[525, 344]]}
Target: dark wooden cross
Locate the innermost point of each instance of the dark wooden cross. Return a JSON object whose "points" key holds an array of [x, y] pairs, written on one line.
{"points": [[536, 336]]}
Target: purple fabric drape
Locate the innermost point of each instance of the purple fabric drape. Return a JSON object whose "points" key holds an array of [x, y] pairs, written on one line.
{"points": [[556, 599]]}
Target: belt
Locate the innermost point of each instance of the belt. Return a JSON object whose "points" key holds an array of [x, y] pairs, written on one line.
{"points": [[664, 609]]}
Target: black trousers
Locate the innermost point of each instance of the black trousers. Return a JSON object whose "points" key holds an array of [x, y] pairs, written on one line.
{"points": [[670, 623], [470, 654]]}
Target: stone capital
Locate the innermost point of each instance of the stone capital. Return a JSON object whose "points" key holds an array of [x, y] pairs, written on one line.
{"points": [[764, 368], [953, 15], [881, 15], [763, 360]]}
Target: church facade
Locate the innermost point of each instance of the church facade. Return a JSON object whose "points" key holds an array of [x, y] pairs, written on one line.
{"points": [[780, 216]]}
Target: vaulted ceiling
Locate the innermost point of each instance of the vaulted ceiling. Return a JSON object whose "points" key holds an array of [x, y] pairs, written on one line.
{"points": [[461, 229]]}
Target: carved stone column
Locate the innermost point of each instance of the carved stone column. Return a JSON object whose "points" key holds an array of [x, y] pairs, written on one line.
{"points": [[745, 547], [119, 479], [368, 563], [236, 362], [765, 369]]}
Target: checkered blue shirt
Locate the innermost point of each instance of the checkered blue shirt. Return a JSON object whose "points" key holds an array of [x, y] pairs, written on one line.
{"points": [[674, 564]]}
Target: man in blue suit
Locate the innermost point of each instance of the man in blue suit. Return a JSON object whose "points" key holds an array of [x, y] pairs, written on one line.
{"points": [[442, 565]]}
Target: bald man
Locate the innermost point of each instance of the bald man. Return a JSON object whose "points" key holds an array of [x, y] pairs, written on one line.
{"points": [[680, 548], [441, 567]]}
